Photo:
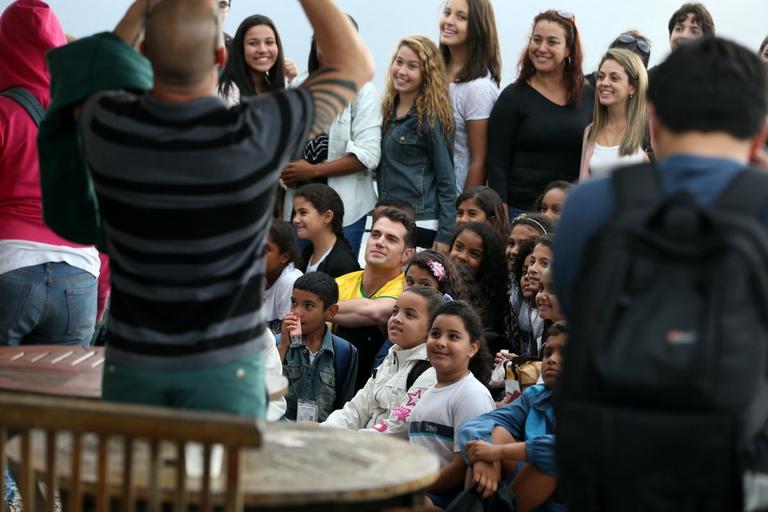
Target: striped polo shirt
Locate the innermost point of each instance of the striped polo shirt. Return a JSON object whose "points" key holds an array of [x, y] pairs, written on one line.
{"points": [[186, 192]]}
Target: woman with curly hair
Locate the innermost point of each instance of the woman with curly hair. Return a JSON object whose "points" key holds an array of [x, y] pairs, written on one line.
{"points": [[417, 130], [478, 251]]}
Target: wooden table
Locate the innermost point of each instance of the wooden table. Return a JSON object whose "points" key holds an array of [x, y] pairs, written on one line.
{"points": [[298, 468], [64, 370], [71, 370]]}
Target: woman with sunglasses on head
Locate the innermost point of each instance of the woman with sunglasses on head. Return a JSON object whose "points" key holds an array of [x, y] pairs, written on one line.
{"points": [[536, 128], [615, 138], [633, 41], [469, 45]]}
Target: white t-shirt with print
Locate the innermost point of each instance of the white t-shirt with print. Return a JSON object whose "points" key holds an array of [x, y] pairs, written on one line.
{"points": [[436, 419]]}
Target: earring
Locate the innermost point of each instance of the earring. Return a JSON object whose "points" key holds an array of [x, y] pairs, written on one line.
{"points": [[568, 61]]}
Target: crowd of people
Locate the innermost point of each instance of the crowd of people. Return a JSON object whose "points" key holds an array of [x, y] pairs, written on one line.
{"points": [[208, 221]]}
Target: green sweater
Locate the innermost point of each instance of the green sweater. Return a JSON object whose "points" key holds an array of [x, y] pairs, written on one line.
{"points": [[79, 70]]}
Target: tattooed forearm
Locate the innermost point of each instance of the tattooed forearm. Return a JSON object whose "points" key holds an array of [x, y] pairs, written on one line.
{"points": [[330, 96]]}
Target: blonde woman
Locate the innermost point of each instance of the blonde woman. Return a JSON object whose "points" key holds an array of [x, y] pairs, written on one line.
{"points": [[417, 130], [615, 137]]}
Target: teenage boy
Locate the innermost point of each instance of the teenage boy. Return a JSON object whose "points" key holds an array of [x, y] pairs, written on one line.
{"points": [[691, 21], [321, 370]]}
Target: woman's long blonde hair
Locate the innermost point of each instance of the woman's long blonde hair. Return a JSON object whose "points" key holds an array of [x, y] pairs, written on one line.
{"points": [[638, 77], [433, 101]]}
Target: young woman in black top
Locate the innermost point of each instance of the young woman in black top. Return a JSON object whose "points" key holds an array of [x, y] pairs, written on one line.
{"points": [[318, 216], [536, 127]]}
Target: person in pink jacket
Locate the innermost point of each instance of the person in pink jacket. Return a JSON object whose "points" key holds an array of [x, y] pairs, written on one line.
{"points": [[48, 286]]}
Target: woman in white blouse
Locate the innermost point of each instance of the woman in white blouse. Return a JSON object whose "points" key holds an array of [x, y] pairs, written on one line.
{"points": [[343, 158]]}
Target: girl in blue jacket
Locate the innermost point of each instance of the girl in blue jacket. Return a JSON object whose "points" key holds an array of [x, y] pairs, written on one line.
{"points": [[518, 440]]}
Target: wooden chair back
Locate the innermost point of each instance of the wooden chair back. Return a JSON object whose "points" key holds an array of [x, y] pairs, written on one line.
{"points": [[22, 414]]}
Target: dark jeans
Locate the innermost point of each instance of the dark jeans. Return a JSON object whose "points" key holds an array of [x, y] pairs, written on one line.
{"points": [[354, 234]]}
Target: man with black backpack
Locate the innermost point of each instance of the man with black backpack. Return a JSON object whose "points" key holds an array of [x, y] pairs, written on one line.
{"points": [[662, 271]]}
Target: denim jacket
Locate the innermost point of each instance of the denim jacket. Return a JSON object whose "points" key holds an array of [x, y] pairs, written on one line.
{"points": [[418, 168], [317, 382], [529, 418]]}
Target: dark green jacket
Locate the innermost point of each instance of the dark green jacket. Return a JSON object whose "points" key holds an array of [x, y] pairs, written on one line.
{"points": [[79, 70]]}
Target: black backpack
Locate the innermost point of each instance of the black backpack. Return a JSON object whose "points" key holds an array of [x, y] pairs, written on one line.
{"points": [[663, 400]]}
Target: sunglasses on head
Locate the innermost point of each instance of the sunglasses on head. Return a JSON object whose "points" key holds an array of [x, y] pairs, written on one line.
{"points": [[223, 4], [641, 45], [567, 16]]}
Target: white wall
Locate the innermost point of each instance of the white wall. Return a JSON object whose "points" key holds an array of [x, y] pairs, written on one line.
{"points": [[383, 23]]}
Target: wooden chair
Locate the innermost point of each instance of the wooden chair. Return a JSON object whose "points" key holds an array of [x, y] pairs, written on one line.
{"points": [[27, 415]]}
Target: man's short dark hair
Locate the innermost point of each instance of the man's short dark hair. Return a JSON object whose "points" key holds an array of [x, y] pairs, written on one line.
{"points": [[701, 17], [321, 284], [711, 85], [399, 204], [399, 216]]}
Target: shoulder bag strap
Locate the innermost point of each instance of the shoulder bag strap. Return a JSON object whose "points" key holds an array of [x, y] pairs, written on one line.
{"points": [[28, 101]]}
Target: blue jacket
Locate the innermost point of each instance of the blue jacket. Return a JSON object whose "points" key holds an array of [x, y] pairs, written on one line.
{"points": [[316, 382], [592, 204], [530, 418], [418, 168]]}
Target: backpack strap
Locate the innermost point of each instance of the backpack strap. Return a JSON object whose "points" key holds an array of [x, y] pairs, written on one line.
{"points": [[419, 368], [28, 101], [646, 145], [747, 193], [342, 354], [637, 187]]}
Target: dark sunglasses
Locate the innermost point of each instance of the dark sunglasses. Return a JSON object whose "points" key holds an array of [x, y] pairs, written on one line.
{"points": [[224, 4], [641, 45]]}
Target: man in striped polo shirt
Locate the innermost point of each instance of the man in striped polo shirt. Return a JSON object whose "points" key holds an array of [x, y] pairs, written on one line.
{"points": [[185, 190]]}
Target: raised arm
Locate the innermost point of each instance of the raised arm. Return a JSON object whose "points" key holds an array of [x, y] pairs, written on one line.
{"points": [[347, 62], [131, 28]]}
